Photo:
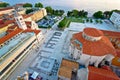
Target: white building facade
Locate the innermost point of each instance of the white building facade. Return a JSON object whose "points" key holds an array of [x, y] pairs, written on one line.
{"points": [[80, 54], [115, 18]]}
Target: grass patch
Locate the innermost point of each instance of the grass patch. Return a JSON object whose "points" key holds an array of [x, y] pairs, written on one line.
{"points": [[73, 19], [64, 23]]}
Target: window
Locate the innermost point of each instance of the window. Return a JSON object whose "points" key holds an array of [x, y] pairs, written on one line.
{"points": [[78, 42], [90, 38], [20, 18]]}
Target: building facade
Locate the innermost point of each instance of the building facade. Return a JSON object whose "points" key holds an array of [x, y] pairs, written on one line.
{"points": [[15, 46], [11, 58], [7, 10], [115, 19], [91, 47], [39, 14]]}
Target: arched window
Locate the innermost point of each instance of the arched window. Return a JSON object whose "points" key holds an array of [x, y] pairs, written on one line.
{"points": [[90, 38]]}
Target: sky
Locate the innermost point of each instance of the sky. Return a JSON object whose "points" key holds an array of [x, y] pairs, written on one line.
{"points": [[90, 5], [68, 1]]}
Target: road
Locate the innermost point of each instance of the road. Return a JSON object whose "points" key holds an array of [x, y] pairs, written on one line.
{"points": [[55, 26]]}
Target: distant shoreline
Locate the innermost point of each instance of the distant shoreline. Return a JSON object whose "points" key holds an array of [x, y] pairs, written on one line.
{"points": [[67, 5]]}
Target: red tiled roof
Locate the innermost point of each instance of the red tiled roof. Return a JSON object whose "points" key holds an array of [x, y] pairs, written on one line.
{"points": [[3, 9], [28, 26], [6, 23], [9, 31], [118, 52], [101, 74], [37, 31], [96, 48], [28, 22], [111, 33], [30, 30], [3, 25], [116, 61], [1, 21], [66, 68], [9, 21], [93, 32], [12, 27], [7, 37], [27, 15]]}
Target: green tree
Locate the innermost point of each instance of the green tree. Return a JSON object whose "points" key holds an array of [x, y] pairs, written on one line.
{"points": [[100, 21], [98, 14], [45, 18], [49, 10], [61, 12], [4, 4], [82, 13], [64, 23], [91, 20], [87, 20], [97, 21], [75, 13], [39, 5], [106, 14], [27, 5], [69, 13], [29, 11], [58, 12]]}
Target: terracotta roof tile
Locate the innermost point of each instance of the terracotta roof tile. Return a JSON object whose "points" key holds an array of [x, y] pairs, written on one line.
{"points": [[66, 68], [101, 74], [7, 37], [111, 33], [28, 23], [97, 48], [66, 72], [93, 32], [6, 23], [1, 22], [116, 61], [8, 8], [27, 15], [118, 52], [30, 30], [13, 26], [9, 31], [9, 21], [3, 25]]}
